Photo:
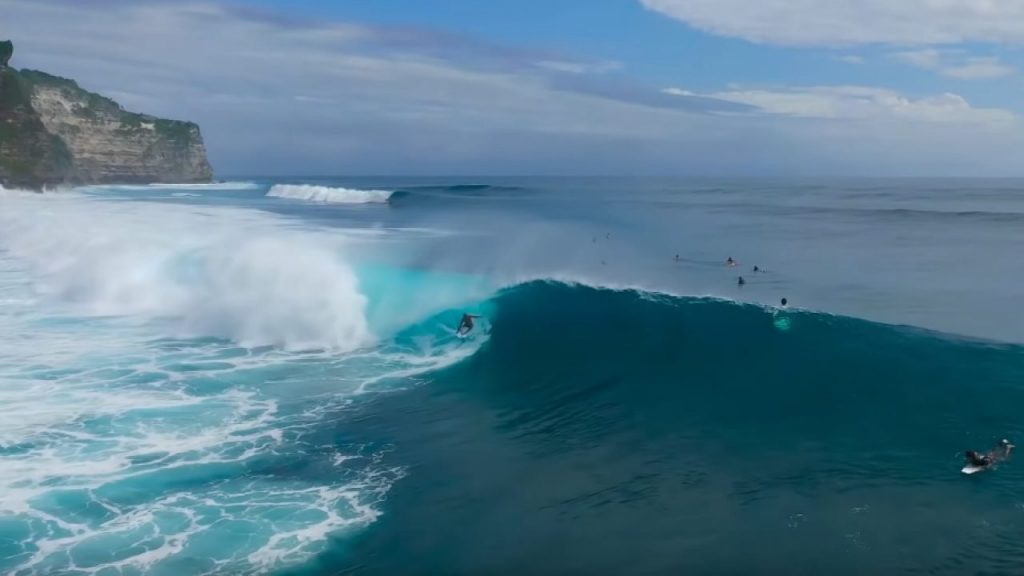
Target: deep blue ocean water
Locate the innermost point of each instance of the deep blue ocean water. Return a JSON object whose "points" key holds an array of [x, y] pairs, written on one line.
{"points": [[262, 376]]}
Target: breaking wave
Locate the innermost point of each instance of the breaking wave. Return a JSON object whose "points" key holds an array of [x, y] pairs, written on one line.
{"points": [[328, 195], [254, 282]]}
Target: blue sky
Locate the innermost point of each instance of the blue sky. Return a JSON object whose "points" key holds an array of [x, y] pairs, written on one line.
{"points": [[658, 48], [686, 87]]}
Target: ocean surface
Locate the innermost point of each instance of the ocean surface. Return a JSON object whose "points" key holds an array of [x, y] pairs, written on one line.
{"points": [[262, 377]]}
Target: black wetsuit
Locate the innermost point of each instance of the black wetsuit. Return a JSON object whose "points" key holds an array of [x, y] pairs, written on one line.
{"points": [[976, 459]]}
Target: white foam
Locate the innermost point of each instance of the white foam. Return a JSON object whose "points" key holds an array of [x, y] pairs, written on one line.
{"points": [[407, 366], [123, 451], [88, 431], [328, 195], [230, 273]]}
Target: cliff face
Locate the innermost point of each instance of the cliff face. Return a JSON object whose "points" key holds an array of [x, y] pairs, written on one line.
{"points": [[30, 157], [52, 131], [108, 144]]}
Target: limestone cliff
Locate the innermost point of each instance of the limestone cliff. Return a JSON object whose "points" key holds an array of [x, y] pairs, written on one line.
{"points": [[52, 131]]}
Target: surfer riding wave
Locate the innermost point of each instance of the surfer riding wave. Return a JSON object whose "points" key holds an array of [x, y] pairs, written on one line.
{"points": [[466, 324]]}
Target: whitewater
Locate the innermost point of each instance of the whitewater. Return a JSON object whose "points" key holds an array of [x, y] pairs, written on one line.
{"points": [[262, 376], [156, 360], [328, 194]]}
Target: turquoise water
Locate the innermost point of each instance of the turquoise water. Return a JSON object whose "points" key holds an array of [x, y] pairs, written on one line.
{"points": [[242, 379]]}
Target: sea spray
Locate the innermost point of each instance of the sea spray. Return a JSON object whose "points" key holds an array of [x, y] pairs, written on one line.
{"points": [[232, 274]]}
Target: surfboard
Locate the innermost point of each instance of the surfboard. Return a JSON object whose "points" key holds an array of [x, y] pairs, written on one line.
{"points": [[973, 469]]}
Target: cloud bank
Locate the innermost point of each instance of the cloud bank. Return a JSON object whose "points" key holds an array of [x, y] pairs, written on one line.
{"points": [[277, 94], [863, 103], [955, 63], [850, 22]]}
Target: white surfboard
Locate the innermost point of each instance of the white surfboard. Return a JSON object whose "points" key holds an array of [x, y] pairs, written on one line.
{"points": [[973, 469]]}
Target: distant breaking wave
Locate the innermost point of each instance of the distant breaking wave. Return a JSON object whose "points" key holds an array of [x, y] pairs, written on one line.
{"points": [[328, 195]]}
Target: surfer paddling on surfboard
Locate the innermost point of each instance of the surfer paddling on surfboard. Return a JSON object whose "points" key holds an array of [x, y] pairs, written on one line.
{"points": [[466, 324], [979, 462]]}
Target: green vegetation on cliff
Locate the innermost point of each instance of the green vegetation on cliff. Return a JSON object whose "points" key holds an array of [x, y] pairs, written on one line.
{"points": [[29, 155], [12, 91], [6, 51]]}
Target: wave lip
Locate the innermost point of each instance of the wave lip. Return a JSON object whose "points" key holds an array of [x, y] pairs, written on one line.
{"points": [[328, 194]]}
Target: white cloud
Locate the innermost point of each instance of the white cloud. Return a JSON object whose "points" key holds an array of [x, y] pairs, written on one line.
{"points": [[851, 59], [864, 103], [278, 96], [286, 96], [955, 63], [848, 22], [979, 69]]}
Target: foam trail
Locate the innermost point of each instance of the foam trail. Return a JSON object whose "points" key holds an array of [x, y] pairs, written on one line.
{"points": [[235, 274], [328, 195], [72, 479]]}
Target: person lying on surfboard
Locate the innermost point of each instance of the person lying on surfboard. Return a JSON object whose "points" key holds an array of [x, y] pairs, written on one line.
{"points": [[1001, 452], [466, 324], [975, 459]]}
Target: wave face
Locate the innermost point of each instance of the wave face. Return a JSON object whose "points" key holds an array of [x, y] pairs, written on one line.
{"points": [[456, 193], [327, 194], [590, 412], [564, 339]]}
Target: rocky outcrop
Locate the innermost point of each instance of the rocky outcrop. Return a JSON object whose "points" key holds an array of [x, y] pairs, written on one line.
{"points": [[30, 156], [6, 50], [52, 131]]}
